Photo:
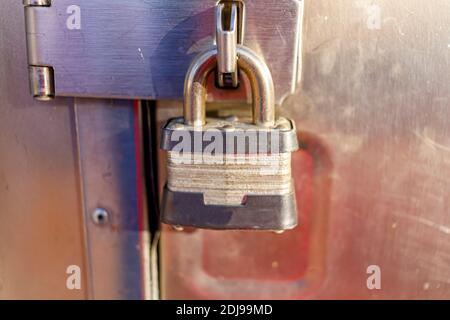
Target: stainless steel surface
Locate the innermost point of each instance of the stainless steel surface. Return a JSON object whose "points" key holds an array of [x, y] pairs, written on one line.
{"points": [[227, 41], [142, 49], [42, 85], [373, 182], [109, 140], [40, 212], [262, 87], [59, 161], [373, 179], [375, 97]]}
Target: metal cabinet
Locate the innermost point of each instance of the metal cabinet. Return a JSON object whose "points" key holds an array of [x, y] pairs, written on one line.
{"points": [[371, 178]]}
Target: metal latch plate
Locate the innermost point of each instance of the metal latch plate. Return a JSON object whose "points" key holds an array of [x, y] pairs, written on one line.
{"points": [[142, 49]]}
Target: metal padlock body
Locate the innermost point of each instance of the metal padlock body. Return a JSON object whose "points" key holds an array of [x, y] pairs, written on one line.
{"points": [[245, 181]]}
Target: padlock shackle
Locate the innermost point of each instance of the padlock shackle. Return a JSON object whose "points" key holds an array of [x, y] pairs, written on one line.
{"points": [[259, 76]]}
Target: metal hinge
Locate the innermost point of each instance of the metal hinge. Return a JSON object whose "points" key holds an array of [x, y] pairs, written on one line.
{"points": [[37, 3], [42, 84]]}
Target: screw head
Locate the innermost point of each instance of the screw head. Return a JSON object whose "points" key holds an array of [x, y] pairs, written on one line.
{"points": [[100, 216]]}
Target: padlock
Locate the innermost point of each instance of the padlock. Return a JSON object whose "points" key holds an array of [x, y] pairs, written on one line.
{"points": [[229, 173]]}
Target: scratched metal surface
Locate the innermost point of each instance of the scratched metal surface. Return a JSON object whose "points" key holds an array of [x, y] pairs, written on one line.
{"points": [[373, 182], [40, 221], [58, 162]]}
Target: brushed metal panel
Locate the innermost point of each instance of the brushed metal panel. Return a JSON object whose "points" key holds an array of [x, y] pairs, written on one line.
{"points": [[118, 250], [59, 161], [376, 95], [40, 213], [373, 180], [138, 48]]}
